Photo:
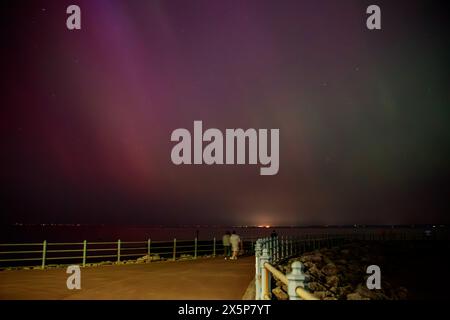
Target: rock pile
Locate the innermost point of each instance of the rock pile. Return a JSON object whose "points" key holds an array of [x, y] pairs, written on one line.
{"points": [[340, 274], [147, 258]]}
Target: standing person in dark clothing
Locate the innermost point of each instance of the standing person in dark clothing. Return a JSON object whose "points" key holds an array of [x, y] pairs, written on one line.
{"points": [[226, 245]]}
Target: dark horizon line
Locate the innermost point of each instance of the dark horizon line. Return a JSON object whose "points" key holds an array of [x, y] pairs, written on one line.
{"points": [[357, 225]]}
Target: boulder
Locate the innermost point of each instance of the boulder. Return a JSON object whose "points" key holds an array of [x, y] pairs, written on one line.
{"points": [[330, 269], [315, 286], [354, 267], [332, 281], [363, 291], [340, 273], [314, 271], [344, 291], [401, 293], [356, 296], [321, 294], [315, 257], [280, 294], [143, 259], [155, 257]]}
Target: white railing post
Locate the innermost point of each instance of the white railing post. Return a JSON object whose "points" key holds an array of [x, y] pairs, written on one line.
{"points": [[286, 240], [118, 251], [149, 249], [84, 252], [265, 275], [289, 240], [291, 247], [295, 279], [286, 244], [265, 244], [44, 253], [279, 252], [271, 247], [174, 254], [276, 248], [280, 248], [286, 252], [257, 273], [195, 248], [273, 256]]}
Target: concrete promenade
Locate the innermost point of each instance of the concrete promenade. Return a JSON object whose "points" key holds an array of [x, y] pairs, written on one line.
{"points": [[211, 279]]}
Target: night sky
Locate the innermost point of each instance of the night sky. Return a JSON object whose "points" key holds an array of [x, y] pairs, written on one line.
{"points": [[86, 116]]}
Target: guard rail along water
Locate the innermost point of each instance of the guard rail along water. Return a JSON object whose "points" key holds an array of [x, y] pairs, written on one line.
{"points": [[46, 254], [273, 250]]}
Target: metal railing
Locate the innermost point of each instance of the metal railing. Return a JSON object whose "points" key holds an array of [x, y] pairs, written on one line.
{"points": [[276, 249], [44, 254], [272, 250]]}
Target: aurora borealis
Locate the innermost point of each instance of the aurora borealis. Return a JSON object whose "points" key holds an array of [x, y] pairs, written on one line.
{"points": [[87, 114]]}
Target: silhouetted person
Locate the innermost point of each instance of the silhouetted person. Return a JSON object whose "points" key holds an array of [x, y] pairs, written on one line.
{"points": [[273, 234]]}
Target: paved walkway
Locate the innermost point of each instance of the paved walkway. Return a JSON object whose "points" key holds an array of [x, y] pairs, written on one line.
{"points": [[195, 279]]}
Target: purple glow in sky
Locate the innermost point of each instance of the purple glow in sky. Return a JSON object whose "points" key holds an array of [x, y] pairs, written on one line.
{"points": [[87, 115]]}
